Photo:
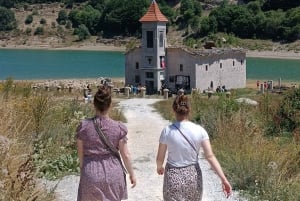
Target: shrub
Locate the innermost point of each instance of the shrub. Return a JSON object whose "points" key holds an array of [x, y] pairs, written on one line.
{"points": [[43, 21], [7, 87], [39, 31], [18, 174], [82, 32], [35, 12], [68, 25], [29, 19], [62, 17], [28, 31], [7, 19], [53, 25], [285, 118]]}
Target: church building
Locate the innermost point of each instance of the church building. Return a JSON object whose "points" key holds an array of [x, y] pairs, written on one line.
{"points": [[156, 65]]}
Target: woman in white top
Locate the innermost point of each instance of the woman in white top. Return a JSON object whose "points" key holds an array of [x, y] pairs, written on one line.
{"points": [[182, 173]]}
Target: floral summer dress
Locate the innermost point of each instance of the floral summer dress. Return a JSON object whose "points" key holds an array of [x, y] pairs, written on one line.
{"points": [[101, 176]]}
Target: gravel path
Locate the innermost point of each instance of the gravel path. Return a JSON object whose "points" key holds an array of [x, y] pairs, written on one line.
{"points": [[144, 126]]}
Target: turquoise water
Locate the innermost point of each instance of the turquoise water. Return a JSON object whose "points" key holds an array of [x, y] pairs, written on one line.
{"points": [[47, 64], [266, 68]]}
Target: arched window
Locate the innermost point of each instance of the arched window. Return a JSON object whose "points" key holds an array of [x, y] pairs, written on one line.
{"points": [[161, 39]]}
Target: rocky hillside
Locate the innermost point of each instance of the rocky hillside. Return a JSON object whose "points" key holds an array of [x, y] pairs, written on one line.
{"points": [[44, 31]]}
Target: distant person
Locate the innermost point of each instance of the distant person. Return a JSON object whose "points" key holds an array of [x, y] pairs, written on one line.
{"points": [[265, 85], [99, 141], [182, 140], [89, 93]]}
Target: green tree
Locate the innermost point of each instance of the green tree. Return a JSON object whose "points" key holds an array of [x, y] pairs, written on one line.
{"points": [[122, 16], [186, 5], [271, 24], [82, 32], [280, 4], [7, 19], [205, 27], [7, 3], [254, 7], [62, 17], [88, 16], [196, 24], [291, 22], [208, 25]]}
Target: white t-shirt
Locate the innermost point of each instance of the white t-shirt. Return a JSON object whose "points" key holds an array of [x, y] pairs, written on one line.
{"points": [[180, 152]]}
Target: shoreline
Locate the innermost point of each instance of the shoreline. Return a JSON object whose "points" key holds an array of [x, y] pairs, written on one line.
{"points": [[118, 81], [273, 54], [103, 47]]}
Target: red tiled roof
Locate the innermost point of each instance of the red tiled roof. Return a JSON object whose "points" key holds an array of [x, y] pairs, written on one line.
{"points": [[153, 14]]}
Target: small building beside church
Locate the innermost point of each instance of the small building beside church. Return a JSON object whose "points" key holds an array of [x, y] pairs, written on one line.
{"points": [[156, 65]]}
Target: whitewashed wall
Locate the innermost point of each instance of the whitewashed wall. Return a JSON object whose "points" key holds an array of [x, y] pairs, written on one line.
{"points": [[131, 58], [194, 65]]}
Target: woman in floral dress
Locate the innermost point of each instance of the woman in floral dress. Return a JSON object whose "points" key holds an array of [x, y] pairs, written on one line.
{"points": [[101, 175]]}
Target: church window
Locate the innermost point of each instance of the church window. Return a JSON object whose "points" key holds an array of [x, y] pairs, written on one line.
{"points": [[137, 79], [181, 67], [161, 39], [137, 65], [233, 63], [206, 67], [242, 62], [149, 60], [149, 75], [221, 65], [149, 39]]}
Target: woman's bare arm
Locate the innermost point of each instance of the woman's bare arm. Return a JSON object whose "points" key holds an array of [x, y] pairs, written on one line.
{"points": [[211, 158], [161, 153], [126, 157]]}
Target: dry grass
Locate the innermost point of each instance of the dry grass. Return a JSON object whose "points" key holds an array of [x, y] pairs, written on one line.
{"points": [[17, 175], [37, 131]]}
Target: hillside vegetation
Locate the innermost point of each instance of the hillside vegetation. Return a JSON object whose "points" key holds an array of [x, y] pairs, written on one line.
{"points": [[191, 22]]}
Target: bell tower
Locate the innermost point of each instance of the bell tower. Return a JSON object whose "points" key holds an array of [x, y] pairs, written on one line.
{"points": [[154, 43]]}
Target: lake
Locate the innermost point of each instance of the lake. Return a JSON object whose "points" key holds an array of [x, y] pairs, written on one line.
{"points": [[64, 64]]}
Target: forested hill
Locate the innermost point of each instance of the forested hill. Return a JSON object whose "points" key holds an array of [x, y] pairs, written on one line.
{"points": [[276, 20]]}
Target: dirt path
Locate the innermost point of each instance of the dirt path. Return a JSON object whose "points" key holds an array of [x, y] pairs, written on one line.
{"points": [[144, 127]]}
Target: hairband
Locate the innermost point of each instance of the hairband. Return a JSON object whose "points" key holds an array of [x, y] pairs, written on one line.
{"points": [[183, 103]]}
